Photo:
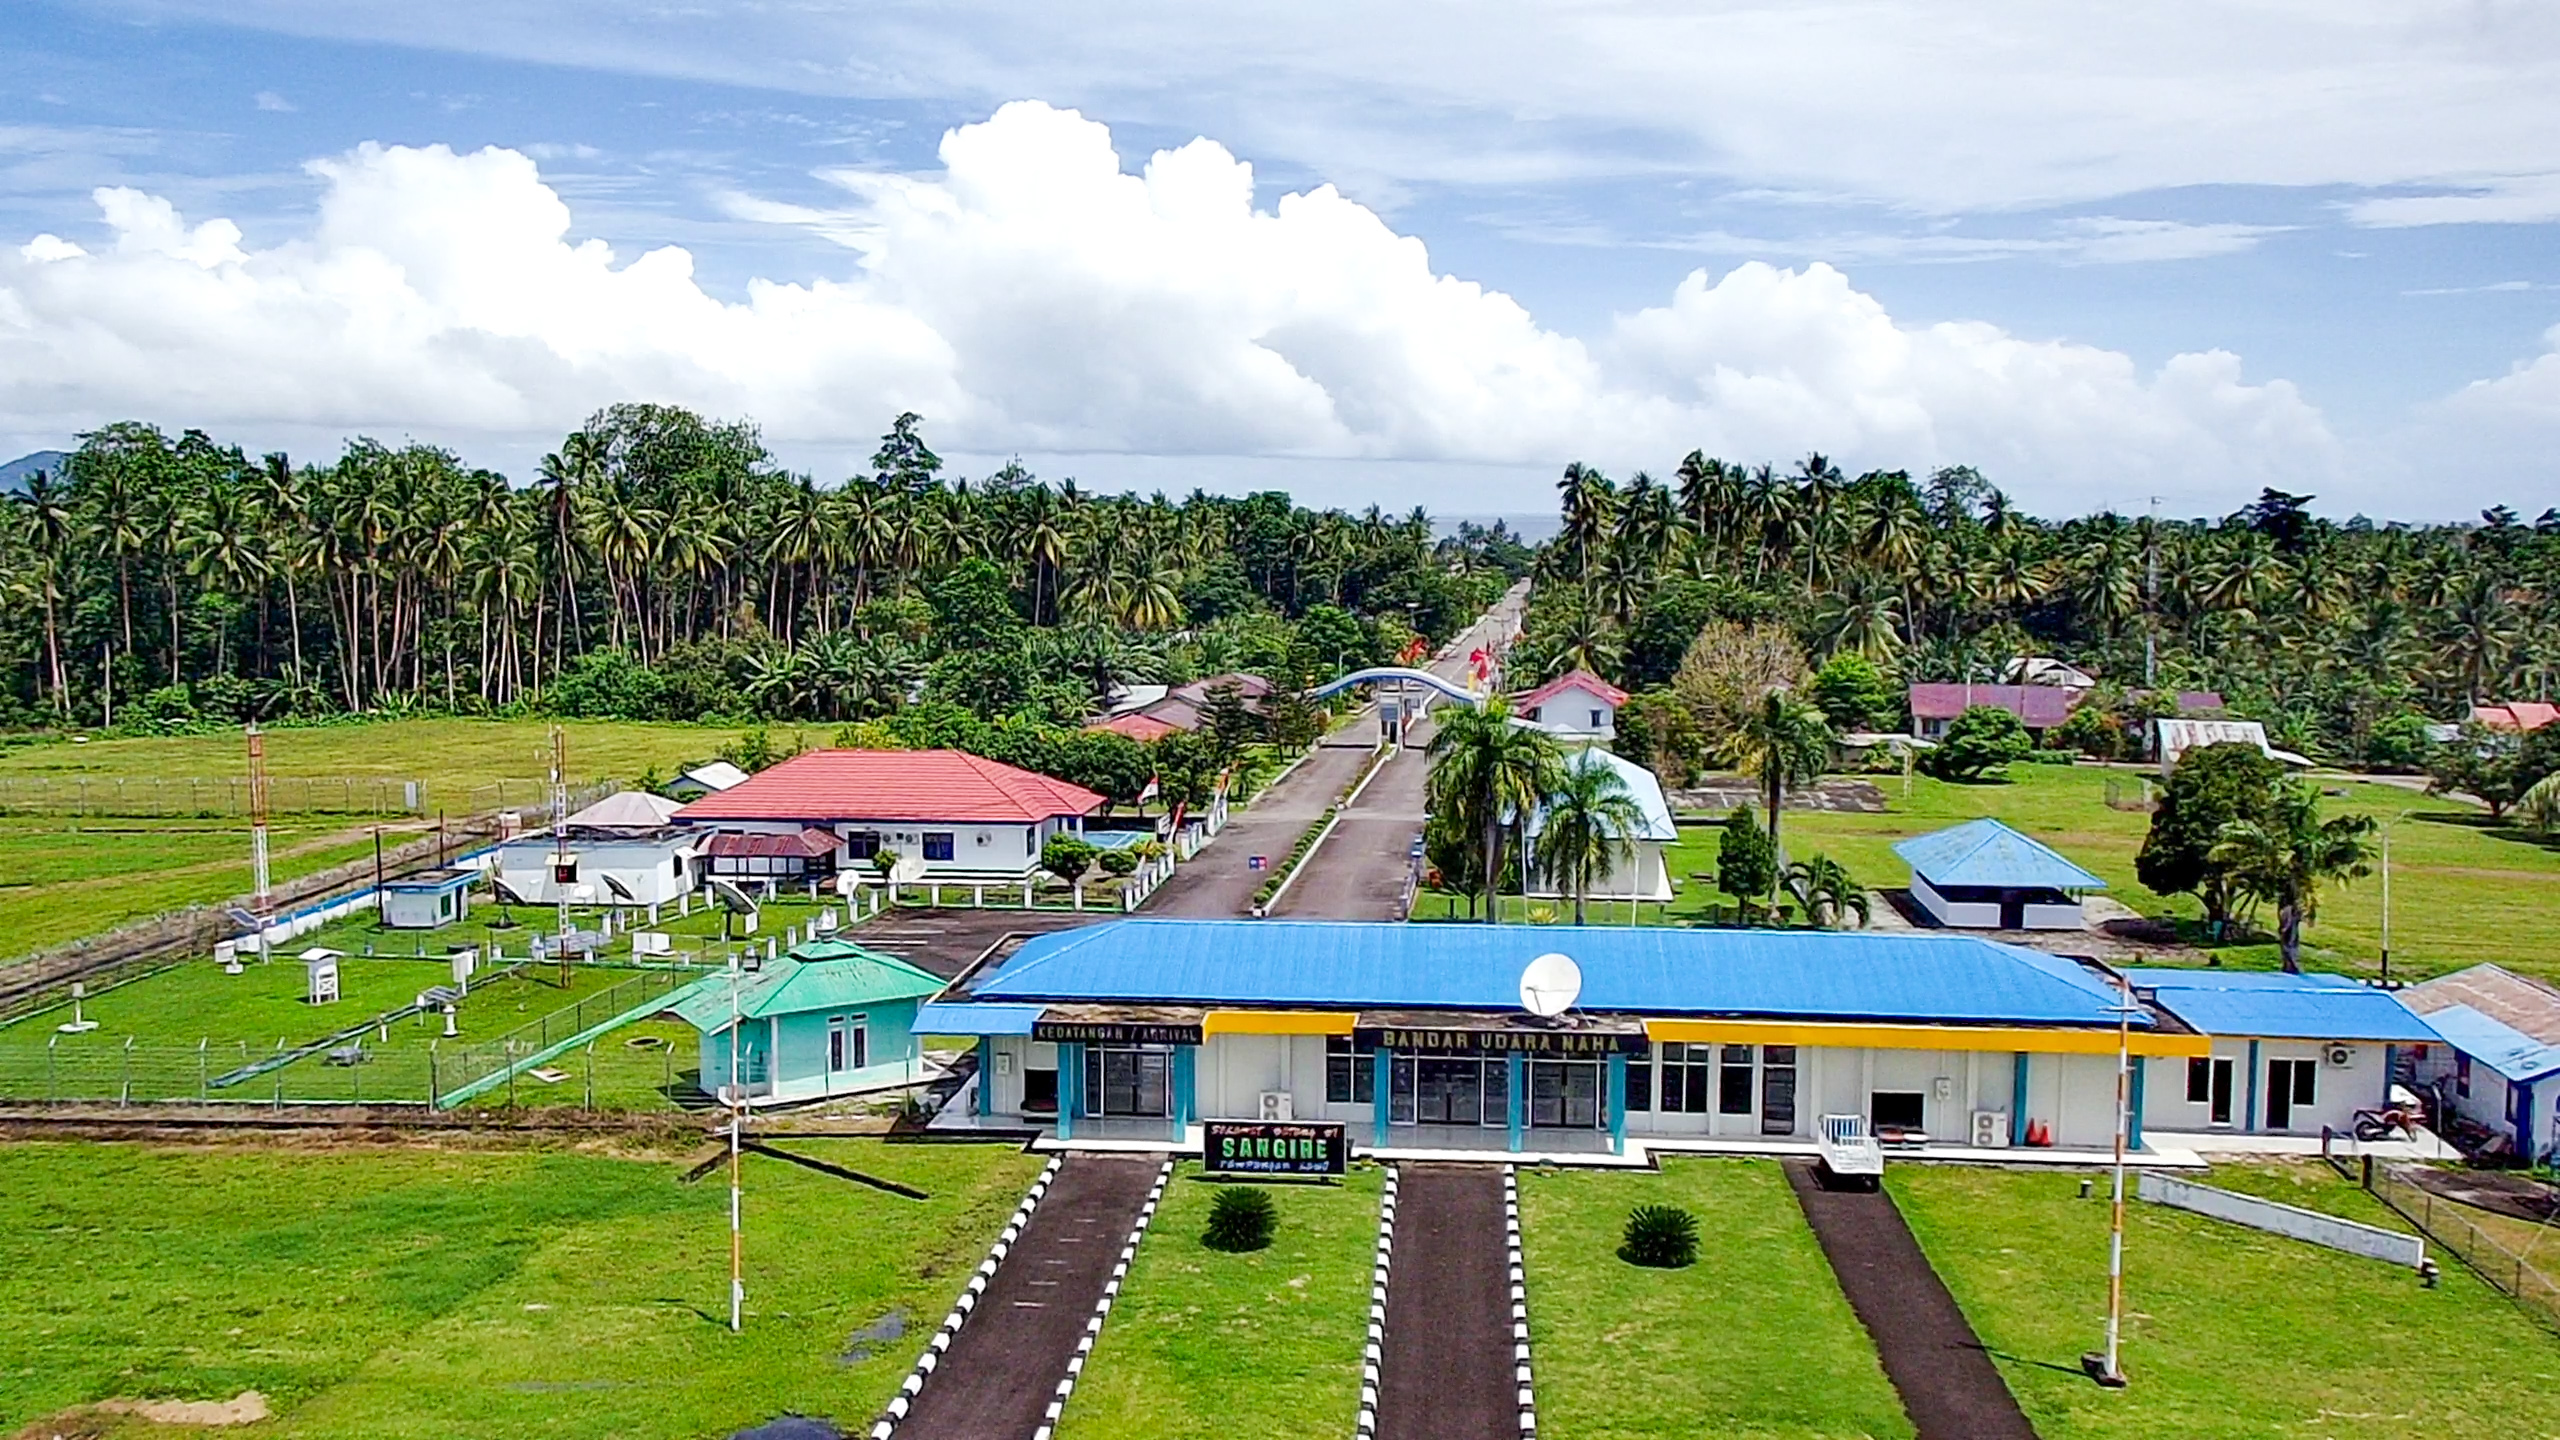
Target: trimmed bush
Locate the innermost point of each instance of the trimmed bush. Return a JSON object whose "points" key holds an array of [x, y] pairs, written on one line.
{"points": [[1241, 1219], [1664, 1237]]}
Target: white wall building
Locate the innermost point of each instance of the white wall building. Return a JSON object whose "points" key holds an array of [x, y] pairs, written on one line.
{"points": [[2290, 1054], [602, 867], [1577, 705], [948, 815], [1639, 871]]}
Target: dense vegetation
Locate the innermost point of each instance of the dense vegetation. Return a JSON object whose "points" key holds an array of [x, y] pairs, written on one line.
{"points": [[662, 566], [2345, 638]]}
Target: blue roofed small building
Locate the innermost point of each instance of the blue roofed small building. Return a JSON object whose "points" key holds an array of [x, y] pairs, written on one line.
{"points": [[1636, 871], [1982, 875], [825, 1019], [2499, 1066], [2287, 1054], [1414, 1037]]}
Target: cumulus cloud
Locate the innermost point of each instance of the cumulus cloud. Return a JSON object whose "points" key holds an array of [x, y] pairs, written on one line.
{"points": [[1034, 296]]}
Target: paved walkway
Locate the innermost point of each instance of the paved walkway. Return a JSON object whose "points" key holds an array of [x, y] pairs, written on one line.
{"points": [[1446, 1370], [1948, 1384], [1001, 1372], [1218, 883]]}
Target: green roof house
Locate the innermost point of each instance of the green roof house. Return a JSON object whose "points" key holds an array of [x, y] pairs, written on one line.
{"points": [[828, 1018]]}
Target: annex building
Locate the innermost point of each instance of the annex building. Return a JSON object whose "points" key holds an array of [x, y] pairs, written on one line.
{"points": [[1414, 1036]]}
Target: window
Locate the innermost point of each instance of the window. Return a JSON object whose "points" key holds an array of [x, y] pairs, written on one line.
{"points": [[1901, 1109], [1349, 1078], [2462, 1075], [937, 844], [2199, 1080], [1639, 1082], [1733, 1093], [1599, 718], [862, 845], [848, 1042], [1778, 1090], [1688, 1076]]}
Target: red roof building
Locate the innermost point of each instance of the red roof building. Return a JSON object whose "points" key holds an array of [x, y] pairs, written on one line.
{"points": [[1577, 705], [944, 814], [2518, 715], [1139, 725], [2039, 707]]}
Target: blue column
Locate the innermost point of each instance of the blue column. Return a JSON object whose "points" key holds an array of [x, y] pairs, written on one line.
{"points": [[2133, 1102], [1617, 1104], [2524, 1122], [986, 1076], [1070, 1087], [1518, 1098], [1381, 1091], [2018, 1101], [1186, 1065], [2249, 1116]]}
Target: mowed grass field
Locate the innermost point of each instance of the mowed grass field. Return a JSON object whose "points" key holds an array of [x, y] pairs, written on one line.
{"points": [[2462, 891], [1208, 1345], [62, 878], [403, 1294], [1755, 1341], [2229, 1332]]}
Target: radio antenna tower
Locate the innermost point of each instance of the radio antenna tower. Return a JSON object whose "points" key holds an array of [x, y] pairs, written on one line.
{"points": [[258, 877], [560, 857]]}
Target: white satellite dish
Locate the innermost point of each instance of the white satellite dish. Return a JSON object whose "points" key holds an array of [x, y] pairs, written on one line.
{"points": [[1550, 985]]}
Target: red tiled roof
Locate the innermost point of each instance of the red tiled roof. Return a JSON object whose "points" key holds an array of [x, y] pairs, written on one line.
{"points": [[1571, 680], [1138, 725], [1249, 688], [894, 785], [2040, 706], [2516, 715], [808, 845]]}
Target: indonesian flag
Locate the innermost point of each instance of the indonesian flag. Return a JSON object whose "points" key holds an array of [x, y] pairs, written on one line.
{"points": [[1153, 789]]}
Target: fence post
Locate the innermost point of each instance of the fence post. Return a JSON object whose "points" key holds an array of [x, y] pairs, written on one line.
{"points": [[591, 1077], [432, 1091], [204, 1091]]}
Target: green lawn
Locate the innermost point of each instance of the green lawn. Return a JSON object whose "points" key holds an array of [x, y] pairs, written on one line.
{"points": [[1265, 1344], [1755, 1340], [61, 879], [461, 762], [2461, 890], [2229, 1332], [377, 1294]]}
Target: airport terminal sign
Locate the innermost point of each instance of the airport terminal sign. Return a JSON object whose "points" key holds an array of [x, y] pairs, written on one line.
{"points": [[1269, 1147], [1536, 1044], [1115, 1032]]}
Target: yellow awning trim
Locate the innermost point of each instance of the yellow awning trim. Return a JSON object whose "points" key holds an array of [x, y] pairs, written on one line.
{"points": [[1923, 1037], [1276, 1022]]}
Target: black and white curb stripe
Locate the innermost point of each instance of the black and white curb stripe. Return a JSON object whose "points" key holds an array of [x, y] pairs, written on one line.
{"points": [[1367, 1425], [1102, 1307], [966, 1305], [1519, 1304]]}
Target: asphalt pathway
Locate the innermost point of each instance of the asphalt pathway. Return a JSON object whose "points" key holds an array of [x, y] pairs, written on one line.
{"points": [[1003, 1369], [1445, 1369], [1218, 883], [1948, 1384]]}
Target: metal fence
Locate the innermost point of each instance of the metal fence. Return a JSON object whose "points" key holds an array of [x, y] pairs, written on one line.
{"points": [[2445, 1222], [69, 1069], [228, 796], [463, 1071]]}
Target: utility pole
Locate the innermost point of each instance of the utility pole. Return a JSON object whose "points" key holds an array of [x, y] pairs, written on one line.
{"points": [[258, 876], [737, 1119], [2151, 599], [2386, 901], [560, 857], [2105, 1368]]}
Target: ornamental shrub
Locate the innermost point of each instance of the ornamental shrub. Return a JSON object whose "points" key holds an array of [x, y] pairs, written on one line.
{"points": [[1241, 1219], [1664, 1237]]}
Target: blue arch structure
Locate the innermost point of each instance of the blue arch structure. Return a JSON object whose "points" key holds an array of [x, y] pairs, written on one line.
{"points": [[1376, 674]]}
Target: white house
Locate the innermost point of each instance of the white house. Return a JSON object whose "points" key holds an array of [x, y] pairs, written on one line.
{"points": [[1577, 705], [2500, 1064], [428, 901], [601, 867], [1982, 875], [2290, 1054], [947, 814], [1641, 874], [2177, 737], [628, 810], [708, 778]]}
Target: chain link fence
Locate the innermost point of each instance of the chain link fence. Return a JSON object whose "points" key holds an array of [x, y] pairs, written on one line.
{"points": [[227, 797], [2446, 1223], [464, 1071], [134, 1073]]}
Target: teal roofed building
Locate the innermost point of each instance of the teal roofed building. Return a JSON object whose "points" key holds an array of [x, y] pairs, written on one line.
{"points": [[828, 1018], [1982, 875]]}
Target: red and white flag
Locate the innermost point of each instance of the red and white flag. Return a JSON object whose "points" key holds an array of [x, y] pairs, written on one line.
{"points": [[1152, 791]]}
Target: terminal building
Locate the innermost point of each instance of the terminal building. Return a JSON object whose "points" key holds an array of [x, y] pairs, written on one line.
{"points": [[1415, 1037]]}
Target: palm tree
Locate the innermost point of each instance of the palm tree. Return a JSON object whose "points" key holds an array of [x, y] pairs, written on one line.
{"points": [[1783, 742], [1487, 773], [1823, 890], [2284, 861], [1586, 827]]}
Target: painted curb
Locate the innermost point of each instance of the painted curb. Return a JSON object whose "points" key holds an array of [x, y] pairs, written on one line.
{"points": [[1366, 1426], [1102, 1307], [1519, 1304], [961, 1309]]}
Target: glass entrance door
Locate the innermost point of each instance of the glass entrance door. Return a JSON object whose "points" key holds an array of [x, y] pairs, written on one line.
{"points": [[1129, 1082], [1564, 1095], [1449, 1092], [1778, 1090]]}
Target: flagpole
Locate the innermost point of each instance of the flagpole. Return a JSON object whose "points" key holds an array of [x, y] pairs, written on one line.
{"points": [[737, 1118]]}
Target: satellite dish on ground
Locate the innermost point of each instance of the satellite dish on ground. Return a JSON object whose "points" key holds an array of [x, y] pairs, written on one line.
{"points": [[731, 898], [1550, 985], [620, 891]]}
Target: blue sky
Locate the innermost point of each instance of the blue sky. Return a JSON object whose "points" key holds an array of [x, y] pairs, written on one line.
{"points": [[1609, 231]]}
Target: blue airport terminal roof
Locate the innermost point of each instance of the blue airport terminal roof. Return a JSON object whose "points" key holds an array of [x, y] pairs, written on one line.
{"points": [[2277, 1006], [1989, 854], [2514, 1055], [1341, 964]]}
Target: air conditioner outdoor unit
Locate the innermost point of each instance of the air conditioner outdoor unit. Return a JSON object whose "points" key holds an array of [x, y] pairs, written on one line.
{"points": [[1991, 1129], [2340, 1055], [1279, 1105]]}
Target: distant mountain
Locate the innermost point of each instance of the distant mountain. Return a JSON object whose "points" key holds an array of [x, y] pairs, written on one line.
{"points": [[13, 476]]}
